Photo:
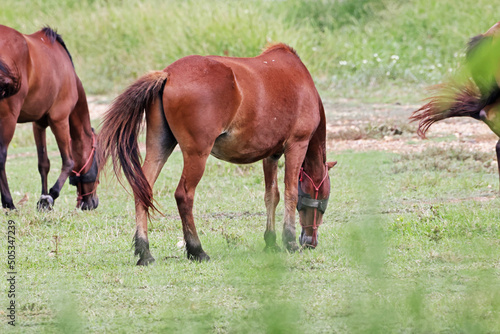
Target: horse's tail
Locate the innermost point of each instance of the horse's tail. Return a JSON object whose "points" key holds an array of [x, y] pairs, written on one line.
{"points": [[10, 82], [450, 101], [121, 127]]}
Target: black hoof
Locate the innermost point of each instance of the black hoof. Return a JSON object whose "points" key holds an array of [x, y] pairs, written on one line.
{"points": [[292, 247], [45, 203], [9, 207], [146, 261], [201, 257]]}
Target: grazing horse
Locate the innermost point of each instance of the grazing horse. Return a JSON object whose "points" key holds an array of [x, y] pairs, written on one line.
{"points": [[240, 110], [38, 84], [478, 97]]}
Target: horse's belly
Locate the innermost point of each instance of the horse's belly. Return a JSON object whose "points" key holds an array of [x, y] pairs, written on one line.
{"points": [[243, 151], [31, 114]]}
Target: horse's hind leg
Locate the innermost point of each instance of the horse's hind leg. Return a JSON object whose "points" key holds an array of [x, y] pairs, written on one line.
{"points": [[39, 133], [7, 127], [160, 143], [194, 167], [272, 197]]}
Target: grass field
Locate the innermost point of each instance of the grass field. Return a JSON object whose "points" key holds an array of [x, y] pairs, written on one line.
{"points": [[410, 244], [411, 240]]}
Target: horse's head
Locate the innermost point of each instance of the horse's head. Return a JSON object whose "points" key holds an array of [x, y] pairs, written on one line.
{"points": [[312, 203], [86, 180]]}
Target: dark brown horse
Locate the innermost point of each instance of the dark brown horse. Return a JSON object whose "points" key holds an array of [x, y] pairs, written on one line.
{"points": [[478, 97], [38, 84], [240, 110]]}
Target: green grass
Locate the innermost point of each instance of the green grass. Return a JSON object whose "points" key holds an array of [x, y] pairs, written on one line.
{"points": [[397, 253], [376, 50]]}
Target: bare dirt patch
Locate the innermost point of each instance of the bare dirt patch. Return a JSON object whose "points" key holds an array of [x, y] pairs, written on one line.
{"points": [[384, 127]]}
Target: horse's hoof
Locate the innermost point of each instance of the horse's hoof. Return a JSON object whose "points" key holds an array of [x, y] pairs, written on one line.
{"points": [[201, 257], [146, 261], [45, 203], [9, 207], [292, 247], [272, 249]]}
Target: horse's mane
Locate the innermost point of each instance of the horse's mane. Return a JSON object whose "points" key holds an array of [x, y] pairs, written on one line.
{"points": [[481, 51], [279, 46], [53, 37], [474, 43]]}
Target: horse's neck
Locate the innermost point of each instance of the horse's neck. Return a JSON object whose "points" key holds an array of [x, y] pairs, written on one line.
{"points": [[79, 122], [315, 160]]}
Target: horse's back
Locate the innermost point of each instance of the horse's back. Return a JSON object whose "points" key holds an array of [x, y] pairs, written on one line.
{"points": [[276, 83]]}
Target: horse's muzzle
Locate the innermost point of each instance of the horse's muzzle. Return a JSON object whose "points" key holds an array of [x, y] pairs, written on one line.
{"points": [[307, 241], [483, 116], [90, 203]]}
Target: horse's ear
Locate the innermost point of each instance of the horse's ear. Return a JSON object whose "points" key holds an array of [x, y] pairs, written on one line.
{"points": [[331, 164]]}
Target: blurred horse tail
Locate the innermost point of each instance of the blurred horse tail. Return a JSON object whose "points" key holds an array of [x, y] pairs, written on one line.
{"points": [[9, 81], [473, 93]]}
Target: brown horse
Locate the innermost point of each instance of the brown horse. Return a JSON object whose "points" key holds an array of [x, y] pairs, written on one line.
{"points": [[240, 110], [478, 97], [38, 84]]}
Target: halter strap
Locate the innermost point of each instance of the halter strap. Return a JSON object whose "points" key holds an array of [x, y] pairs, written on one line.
{"points": [[76, 180], [91, 155], [79, 197], [312, 203]]}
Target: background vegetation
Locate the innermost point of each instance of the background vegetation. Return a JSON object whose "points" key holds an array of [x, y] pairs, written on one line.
{"points": [[378, 50], [410, 242]]}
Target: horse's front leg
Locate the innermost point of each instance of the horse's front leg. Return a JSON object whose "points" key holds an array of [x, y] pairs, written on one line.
{"points": [[7, 127], [194, 167], [60, 128], [43, 161], [272, 198], [293, 161]]}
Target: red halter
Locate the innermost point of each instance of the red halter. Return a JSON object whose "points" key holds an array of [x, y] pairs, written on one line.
{"points": [[79, 196], [89, 159], [316, 192]]}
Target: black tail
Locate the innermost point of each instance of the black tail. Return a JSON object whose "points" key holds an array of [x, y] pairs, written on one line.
{"points": [[120, 130], [10, 82]]}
